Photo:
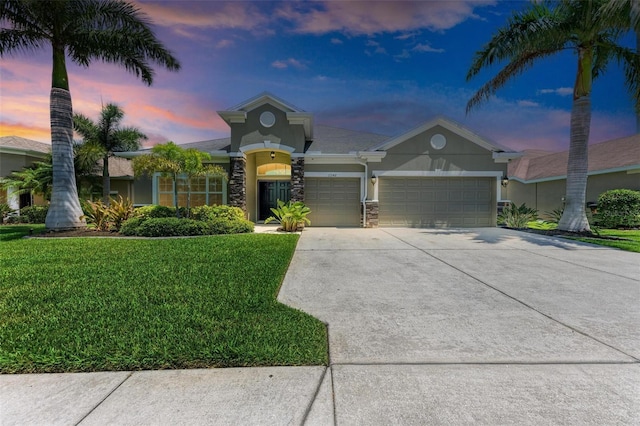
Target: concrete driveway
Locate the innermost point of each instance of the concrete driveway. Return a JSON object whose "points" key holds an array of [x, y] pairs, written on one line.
{"points": [[485, 326], [426, 327]]}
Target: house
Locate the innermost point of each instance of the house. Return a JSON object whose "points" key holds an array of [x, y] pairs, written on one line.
{"points": [[439, 174], [538, 178], [16, 153]]}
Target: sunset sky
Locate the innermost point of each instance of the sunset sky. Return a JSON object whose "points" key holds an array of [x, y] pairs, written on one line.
{"points": [[383, 67]]}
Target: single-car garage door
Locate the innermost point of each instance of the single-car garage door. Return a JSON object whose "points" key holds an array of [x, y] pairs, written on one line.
{"points": [[333, 201], [437, 202]]}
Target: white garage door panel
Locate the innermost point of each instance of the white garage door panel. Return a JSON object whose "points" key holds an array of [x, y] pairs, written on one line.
{"points": [[333, 201], [436, 202]]}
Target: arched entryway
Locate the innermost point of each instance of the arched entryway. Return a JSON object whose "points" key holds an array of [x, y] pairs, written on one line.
{"points": [[274, 183], [268, 180]]}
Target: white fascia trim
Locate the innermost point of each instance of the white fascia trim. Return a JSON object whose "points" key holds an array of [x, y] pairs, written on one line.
{"points": [[233, 116], [628, 169], [335, 174], [302, 118], [319, 158], [19, 151], [505, 157], [422, 173], [447, 124], [372, 157], [266, 145], [265, 98]]}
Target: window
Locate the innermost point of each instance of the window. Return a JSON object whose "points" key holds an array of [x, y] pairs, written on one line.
{"points": [[274, 169], [207, 190]]}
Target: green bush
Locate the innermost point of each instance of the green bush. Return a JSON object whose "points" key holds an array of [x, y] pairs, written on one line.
{"points": [[618, 208], [5, 210], [34, 214], [517, 217], [164, 227], [154, 211], [226, 226], [173, 226], [207, 213]]}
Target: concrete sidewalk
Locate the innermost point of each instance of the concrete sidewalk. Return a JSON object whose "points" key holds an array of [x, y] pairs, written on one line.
{"points": [[483, 326]]}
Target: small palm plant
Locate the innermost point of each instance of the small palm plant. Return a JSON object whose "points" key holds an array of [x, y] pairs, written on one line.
{"points": [[517, 217], [292, 216]]}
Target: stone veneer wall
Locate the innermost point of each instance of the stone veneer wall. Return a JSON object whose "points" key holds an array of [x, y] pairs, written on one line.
{"points": [[238, 183], [372, 208], [297, 179]]}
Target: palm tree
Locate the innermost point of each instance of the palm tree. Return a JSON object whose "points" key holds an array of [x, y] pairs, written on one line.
{"points": [[107, 137], [626, 15], [109, 30], [547, 28], [35, 179], [173, 161]]}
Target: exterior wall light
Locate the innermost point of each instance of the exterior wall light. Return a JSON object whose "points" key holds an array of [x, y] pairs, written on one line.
{"points": [[373, 180], [273, 155], [505, 181]]}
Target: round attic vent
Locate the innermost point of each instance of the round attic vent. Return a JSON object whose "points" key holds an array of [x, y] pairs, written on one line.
{"points": [[438, 141], [267, 119]]}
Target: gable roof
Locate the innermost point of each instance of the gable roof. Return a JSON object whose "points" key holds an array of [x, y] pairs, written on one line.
{"points": [[295, 115], [18, 145], [454, 127], [606, 157]]}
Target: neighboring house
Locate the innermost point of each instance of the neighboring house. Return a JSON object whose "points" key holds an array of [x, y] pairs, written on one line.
{"points": [[538, 178], [16, 153], [439, 174]]}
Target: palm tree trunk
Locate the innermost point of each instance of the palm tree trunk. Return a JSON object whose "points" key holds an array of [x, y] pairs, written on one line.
{"points": [[106, 180], [64, 210], [574, 217]]}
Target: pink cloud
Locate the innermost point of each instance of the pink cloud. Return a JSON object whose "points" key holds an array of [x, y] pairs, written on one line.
{"points": [[360, 18]]}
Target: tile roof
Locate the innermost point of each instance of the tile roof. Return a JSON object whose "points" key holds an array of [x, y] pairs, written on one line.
{"points": [[27, 145], [118, 167], [616, 154]]}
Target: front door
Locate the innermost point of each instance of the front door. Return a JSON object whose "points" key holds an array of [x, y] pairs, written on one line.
{"points": [[269, 193]]}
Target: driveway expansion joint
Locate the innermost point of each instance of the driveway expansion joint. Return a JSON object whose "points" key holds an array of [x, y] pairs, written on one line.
{"points": [[515, 299], [115, 388]]}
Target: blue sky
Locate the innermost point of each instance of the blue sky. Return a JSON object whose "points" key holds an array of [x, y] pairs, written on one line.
{"points": [[384, 67]]}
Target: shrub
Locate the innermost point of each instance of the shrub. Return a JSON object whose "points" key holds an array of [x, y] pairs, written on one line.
{"points": [[555, 215], [34, 214], [5, 210], [292, 216], [618, 208], [97, 213], [513, 216], [154, 211], [119, 211], [164, 227], [226, 226], [215, 212]]}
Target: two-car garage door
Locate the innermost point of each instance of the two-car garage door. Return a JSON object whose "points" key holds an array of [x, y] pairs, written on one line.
{"points": [[437, 202]]}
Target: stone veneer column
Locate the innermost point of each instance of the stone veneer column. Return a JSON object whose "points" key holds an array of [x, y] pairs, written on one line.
{"points": [[238, 183], [297, 179], [372, 214]]}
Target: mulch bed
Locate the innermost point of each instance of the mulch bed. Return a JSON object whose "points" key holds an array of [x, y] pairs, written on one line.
{"points": [[81, 232]]}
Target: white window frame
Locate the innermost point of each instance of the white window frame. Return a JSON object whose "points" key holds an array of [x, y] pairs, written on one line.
{"points": [[155, 188]]}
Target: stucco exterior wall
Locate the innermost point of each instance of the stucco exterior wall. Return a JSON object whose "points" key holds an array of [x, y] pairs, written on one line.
{"points": [[14, 162], [547, 196], [251, 131], [459, 154], [333, 168]]}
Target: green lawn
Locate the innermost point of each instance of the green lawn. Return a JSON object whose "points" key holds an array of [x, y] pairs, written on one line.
{"points": [[93, 304], [631, 238]]}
